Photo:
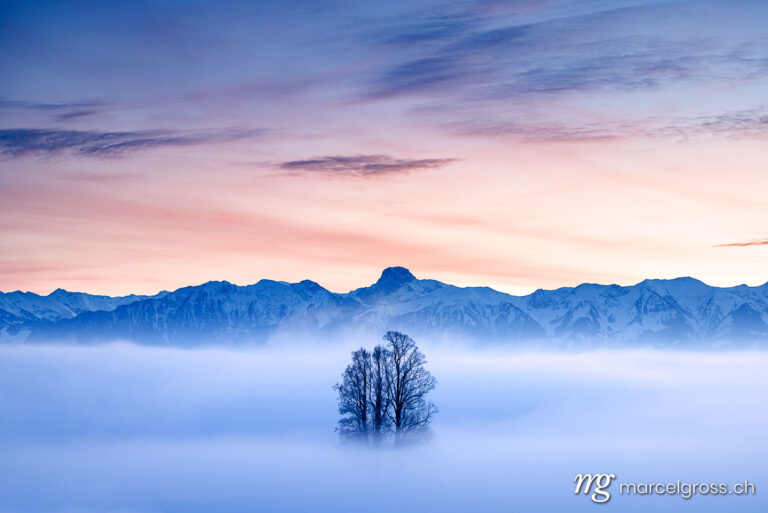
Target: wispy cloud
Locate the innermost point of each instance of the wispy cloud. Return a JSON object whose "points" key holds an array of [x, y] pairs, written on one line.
{"points": [[432, 29], [362, 165], [49, 106], [21, 142], [525, 52], [536, 131], [76, 114], [736, 124], [742, 122], [746, 243], [61, 111]]}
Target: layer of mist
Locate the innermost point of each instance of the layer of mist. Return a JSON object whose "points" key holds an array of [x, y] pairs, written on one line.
{"points": [[128, 428]]}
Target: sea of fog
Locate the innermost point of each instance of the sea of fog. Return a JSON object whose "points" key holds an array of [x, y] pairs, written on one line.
{"points": [[126, 428]]}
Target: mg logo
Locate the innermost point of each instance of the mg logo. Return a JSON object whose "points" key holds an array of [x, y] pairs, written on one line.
{"points": [[600, 482]]}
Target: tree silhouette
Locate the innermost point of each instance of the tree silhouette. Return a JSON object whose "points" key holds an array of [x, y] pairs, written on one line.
{"points": [[408, 385], [378, 397], [385, 392], [354, 391]]}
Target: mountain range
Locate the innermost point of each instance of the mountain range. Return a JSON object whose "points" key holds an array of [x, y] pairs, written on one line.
{"points": [[678, 312]]}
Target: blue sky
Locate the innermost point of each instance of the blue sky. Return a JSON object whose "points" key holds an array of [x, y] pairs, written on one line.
{"points": [[77, 60], [594, 96]]}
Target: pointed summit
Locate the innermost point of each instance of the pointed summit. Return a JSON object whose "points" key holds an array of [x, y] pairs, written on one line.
{"points": [[393, 278], [59, 292]]}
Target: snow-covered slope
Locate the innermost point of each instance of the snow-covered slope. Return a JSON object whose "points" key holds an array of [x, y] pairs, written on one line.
{"points": [[683, 311], [20, 307]]}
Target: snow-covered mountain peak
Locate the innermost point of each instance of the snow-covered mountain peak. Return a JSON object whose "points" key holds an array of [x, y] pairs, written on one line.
{"points": [[392, 278], [675, 312], [309, 285]]}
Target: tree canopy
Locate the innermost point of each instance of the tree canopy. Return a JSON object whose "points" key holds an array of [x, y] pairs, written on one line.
{"points": [[383, 393]]}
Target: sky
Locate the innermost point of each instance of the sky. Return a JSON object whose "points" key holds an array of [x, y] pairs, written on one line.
{"points": [[517, 144]]}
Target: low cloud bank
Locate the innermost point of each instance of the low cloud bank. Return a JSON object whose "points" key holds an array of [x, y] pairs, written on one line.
{"points": [[129, 428]]}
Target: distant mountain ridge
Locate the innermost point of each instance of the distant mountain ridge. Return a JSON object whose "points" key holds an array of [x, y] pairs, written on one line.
{"points": [[678, 312], [21, 307]]}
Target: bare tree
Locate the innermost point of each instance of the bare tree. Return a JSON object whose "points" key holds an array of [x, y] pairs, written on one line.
{"points": [[378, 399], [385, 391], [408, 384], [354, 392]]}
